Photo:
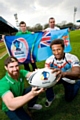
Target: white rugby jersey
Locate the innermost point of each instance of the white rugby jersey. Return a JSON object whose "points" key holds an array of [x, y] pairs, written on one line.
{"points": [[64, 64], [52, 29]]}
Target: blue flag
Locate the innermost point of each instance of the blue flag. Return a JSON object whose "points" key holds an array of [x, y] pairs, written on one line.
{"points": [[35, 47], [23, 47], [44, 45]]}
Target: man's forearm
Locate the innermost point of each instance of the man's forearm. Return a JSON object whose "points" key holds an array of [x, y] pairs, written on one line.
{"points": [[71, 75], [16, 102]]}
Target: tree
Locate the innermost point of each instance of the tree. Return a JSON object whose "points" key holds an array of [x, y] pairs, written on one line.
{"points": [[37, 27], [46, 26]]}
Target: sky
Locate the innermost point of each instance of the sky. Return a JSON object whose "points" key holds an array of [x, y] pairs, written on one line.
{"points": [[39, 11]]}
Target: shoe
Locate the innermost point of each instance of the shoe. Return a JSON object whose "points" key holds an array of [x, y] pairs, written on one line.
{"points": [[48, 103], [36, 107]]}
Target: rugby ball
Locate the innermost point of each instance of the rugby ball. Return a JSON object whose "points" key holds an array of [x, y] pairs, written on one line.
{"points": [[43, 78]]}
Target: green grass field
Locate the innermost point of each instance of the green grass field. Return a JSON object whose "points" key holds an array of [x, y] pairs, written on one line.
{"points": [[2, 49], [60, 109]]}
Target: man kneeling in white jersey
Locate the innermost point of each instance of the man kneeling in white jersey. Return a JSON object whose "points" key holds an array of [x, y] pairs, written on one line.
{"points": [[67, 66]]}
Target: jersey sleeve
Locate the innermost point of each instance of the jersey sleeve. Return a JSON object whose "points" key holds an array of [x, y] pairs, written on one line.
{"points": [[49, 61], [75, 61], [47, 64], [24, 72], [4, 88], [18, 33]]}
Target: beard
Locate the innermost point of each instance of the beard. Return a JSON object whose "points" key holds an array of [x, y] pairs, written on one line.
{"points": [[14, 74]]}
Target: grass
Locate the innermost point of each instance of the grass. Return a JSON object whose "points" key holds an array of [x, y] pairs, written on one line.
{"points": [[75, 42], [1, 43], [2, 49], [60, 109]]}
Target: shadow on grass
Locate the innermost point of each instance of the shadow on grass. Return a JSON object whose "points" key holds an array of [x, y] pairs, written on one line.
{"points": [[59, 110]]}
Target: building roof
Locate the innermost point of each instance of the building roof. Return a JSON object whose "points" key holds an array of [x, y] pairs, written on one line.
{"points": [[78, 21], [6, 27]]}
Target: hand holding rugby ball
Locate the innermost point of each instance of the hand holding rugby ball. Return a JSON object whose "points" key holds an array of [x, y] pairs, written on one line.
{"points": [[42, 78]]}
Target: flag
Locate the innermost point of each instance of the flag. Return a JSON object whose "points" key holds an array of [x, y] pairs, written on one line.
{"points": [[46, 50], [45, 40], [35, 47], [23, 47]]}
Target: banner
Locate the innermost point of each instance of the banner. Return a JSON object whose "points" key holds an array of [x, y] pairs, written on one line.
{"points": [[35, 47], [47, 37]]}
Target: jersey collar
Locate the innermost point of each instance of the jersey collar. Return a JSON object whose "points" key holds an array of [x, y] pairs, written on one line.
{"points": [[10, 79]]}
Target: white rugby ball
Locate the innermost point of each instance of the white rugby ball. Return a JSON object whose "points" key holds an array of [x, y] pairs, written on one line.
{"points": [[42, 78]]}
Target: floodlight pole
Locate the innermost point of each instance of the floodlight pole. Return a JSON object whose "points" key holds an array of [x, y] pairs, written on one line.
{"points": [[16, 19], [75, 9]]}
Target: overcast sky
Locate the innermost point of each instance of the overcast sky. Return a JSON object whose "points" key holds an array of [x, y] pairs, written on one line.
{"points": [[39, 11]]}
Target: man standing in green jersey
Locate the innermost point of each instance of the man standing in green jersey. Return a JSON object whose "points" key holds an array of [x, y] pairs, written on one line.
{"points": [[23, 30]]}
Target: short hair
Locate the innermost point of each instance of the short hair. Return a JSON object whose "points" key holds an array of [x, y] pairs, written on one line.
{"points": [[51, 18], [22, 22], [10, 59], [57, 41]]}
